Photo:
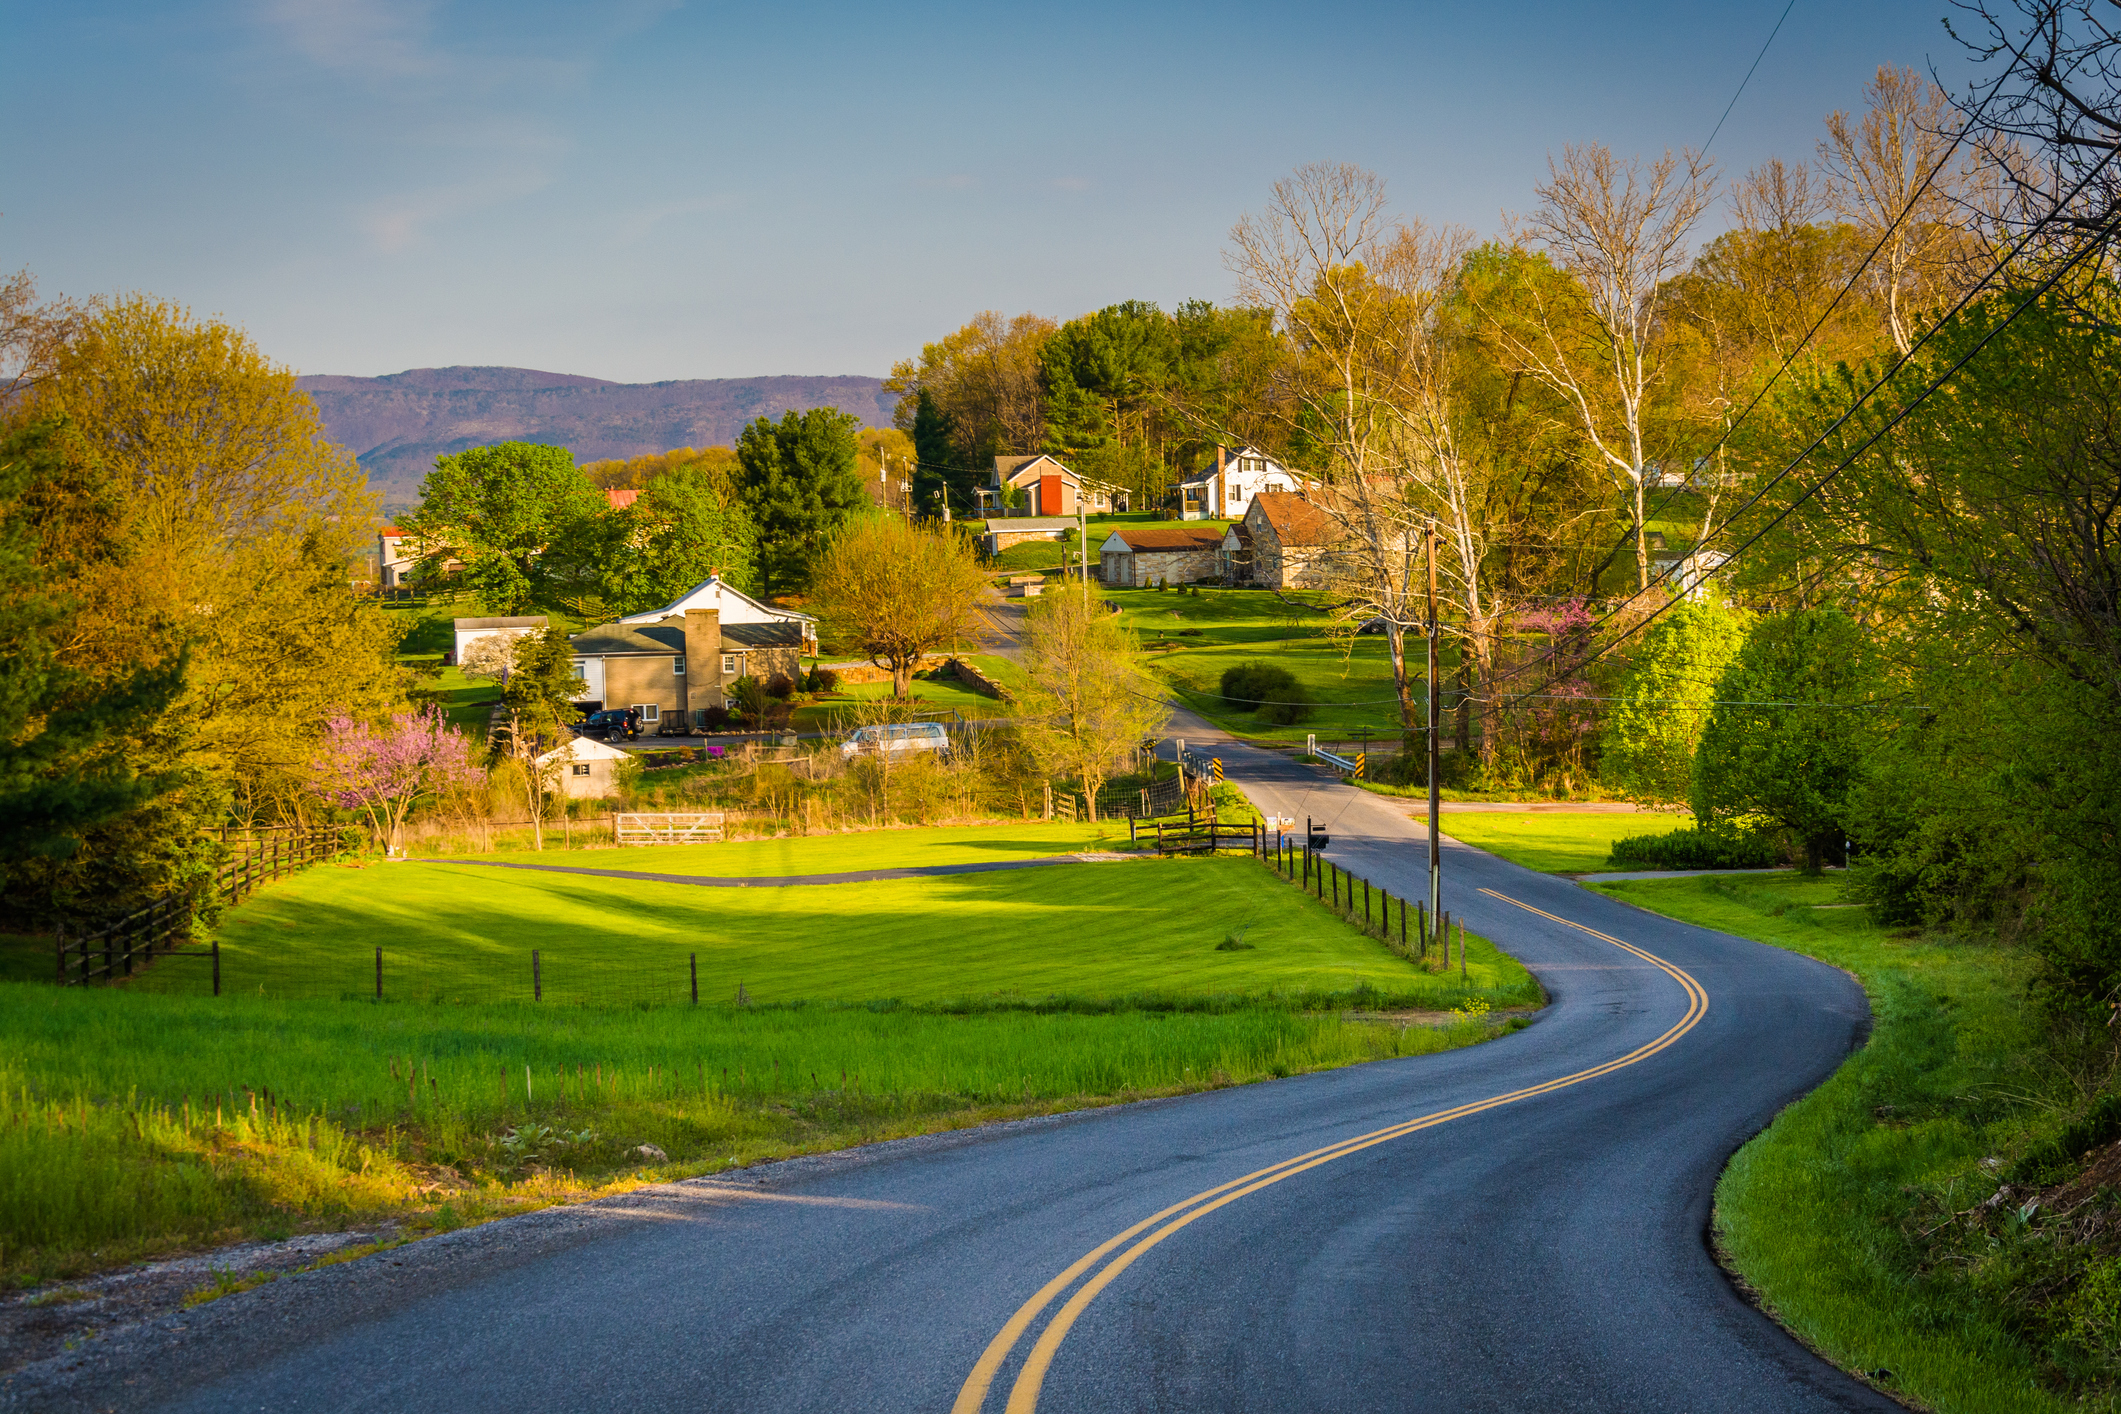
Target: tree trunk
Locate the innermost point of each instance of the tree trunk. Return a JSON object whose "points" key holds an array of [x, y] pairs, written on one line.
{"points": [[1642, 540], [902, 678], [1462, 715]]}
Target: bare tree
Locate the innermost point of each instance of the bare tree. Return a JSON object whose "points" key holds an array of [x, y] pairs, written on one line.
{"points": [[1778, 197], [1894, 176], [1090, 703], [1320, 257], [1621, 230], [31, 335]]}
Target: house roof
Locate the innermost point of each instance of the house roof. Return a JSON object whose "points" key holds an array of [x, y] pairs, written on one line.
{"points": [[583, 748], [1238, 538], [1293, 520], [471, 625], [1008, 468], [1168, 537], [785, 635], [709, 593], [615, 640], [620, 497], [607, 640], [391, 532]]}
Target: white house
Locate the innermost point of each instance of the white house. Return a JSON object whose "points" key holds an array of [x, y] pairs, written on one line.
{"points": [[588, 768], [394, 559], [1225, 491], [732, 606], [470, 631]]}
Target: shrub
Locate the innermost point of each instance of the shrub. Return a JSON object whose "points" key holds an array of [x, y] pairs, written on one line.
{"points": [[714, 719], [1696, 849], [1274, 692], [780, 685]]}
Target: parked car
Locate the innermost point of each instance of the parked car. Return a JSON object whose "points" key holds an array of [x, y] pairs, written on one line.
{"points": [[898, 739], [613, 723]]}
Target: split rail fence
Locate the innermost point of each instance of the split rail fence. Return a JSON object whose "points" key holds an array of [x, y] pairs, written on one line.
{"points": [[162, 929]]}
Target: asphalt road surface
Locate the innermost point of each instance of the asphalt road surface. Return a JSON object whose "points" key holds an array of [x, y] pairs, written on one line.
{"points": [[1519, 1225]]}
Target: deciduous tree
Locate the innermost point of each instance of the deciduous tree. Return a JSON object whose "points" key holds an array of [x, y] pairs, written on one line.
{"points": [[1787, 737], [383, 771], [1621, 231], [895, 591], [1090, 704], [497, 509], [1663, 704]]}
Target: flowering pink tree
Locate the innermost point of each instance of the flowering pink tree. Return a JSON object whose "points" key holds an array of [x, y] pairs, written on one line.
{"points": [[384, 771]]}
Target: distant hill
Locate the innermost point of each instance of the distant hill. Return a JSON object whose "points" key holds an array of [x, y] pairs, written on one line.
{"points": [[398, 424]]}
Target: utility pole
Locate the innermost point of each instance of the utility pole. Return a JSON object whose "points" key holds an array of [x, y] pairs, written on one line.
{"points": [[1435, 757], [1082, 536]]}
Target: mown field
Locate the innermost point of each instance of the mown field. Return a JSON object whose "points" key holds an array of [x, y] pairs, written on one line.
{"points": [[1556, 842], [1857, 1215], [1192, 638], [152, 1117]]}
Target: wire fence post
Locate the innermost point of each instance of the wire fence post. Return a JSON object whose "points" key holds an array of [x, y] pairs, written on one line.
{"points": [[217, 966], [537, 978], [379, 974], [694, 958]]}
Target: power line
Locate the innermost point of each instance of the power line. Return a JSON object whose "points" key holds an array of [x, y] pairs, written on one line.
{"points": [[1748, 78], [1897, 418]]}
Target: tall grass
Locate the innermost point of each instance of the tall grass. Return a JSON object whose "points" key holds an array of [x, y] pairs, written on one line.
{"points": [[133, 1124]]}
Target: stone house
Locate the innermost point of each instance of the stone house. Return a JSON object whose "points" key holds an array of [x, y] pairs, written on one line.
{"points": [[683, 657], [588, 768], [1135, 557], [1288, 540], [1225, 491]]}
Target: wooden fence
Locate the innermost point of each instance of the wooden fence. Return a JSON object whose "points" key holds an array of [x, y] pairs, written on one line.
{"points": [[120, 950], [1414, 932], [691, 827]]}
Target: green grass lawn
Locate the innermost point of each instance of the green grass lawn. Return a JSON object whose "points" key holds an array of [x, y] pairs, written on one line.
{"points": [[149, 1118], [1558, 842], [946, 694], [1070, 932], [856, 850], [1192, 638], [1818, 1214]]}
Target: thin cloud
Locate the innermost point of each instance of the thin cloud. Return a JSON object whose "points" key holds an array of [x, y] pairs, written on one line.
{"points": [[401, 222], [375, 38]]}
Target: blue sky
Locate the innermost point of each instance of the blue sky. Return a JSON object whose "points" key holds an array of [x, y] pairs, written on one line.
{"points": [[642, 189]]}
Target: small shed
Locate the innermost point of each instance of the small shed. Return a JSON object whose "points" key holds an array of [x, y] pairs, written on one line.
{"points": [[470, 631], [588, 768], [1135, 557]]}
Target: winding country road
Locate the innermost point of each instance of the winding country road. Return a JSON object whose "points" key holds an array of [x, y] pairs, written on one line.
{"points": [[1514, 1226]]}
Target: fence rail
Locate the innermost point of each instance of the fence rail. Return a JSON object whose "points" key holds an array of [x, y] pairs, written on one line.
{"points": [[688, 827], [120, 950]]}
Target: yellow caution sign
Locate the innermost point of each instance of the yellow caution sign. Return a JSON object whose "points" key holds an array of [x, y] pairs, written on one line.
{"points": [[1217, 764], [1361, 759]]}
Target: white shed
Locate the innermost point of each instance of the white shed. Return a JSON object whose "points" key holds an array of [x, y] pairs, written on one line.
{"points": [[588, 766], [470, 631]]}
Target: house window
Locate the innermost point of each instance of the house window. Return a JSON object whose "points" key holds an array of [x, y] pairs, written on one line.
{"points": [[580, 768], [581, 667], [677, 667], [649, 711], [728, 665]]}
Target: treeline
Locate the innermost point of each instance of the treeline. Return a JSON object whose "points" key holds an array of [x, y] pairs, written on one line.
{"points": [[176, 618], [522, 526]]}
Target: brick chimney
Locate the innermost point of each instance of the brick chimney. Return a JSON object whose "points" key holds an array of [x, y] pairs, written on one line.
{"points": [[703, 659], [1222, 484]]}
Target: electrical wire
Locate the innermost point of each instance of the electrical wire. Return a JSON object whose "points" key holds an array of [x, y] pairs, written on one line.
{"points": [[1748, 78], [1920, 398]]}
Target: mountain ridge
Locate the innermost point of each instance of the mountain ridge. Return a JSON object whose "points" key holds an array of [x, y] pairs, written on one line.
{"points": [[396, 424]]}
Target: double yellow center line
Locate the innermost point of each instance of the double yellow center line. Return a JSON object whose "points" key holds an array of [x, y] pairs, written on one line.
{"points": [[1023, 1396]]}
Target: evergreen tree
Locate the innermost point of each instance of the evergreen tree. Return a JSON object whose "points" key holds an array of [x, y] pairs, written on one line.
{"points": [[800, 481]]}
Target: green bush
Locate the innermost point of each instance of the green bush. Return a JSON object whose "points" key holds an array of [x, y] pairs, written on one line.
{"points": [[1273, 692], [1695, 849]]}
